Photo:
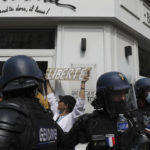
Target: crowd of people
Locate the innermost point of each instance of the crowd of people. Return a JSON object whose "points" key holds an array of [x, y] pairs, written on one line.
{"points": [[31, 117]]}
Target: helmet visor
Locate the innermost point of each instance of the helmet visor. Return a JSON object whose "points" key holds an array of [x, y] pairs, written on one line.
{"points": [[121, 101]]}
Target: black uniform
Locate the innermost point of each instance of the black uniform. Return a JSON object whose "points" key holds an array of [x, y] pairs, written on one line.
{"points": [[142, 88], [113, 125], [101, 132], [26, 126], [144, 117], [24, 123]]}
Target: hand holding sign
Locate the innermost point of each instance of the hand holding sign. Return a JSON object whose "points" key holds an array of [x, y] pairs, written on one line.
{"points": [[86, 76]]}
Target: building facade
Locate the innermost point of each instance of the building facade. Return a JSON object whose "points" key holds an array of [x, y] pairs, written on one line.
{"points": [[107, 35]]}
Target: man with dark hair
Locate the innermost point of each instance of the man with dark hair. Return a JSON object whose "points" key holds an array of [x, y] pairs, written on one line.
{"points": [[67, 100], [113, 125], [142, 88]]}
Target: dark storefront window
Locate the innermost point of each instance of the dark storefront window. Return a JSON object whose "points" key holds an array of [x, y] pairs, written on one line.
{"points": [[144, 62], [42, 65], [147, 2], [27, 39]]}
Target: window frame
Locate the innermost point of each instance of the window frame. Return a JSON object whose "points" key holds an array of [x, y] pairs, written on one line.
{"points": [[24, 30], [29, 52]]}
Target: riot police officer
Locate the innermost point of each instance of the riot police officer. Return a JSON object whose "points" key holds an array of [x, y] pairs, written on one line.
{"points": [[111, 125], [142, 88], [24, 123]]}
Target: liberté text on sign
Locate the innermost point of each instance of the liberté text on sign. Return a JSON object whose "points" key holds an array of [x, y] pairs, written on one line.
{"points": [[67, 73]]}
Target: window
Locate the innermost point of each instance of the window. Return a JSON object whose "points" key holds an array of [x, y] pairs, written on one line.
{"points": [[27, 39], [144, 62], [43, 65], [147, 2]]}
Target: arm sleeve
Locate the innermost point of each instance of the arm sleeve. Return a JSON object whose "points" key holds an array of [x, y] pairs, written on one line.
{"points": [[78, 134], [53, 103], [78, 109]]}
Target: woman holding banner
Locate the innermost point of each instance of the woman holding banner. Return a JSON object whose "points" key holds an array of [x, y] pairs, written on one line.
{"points": [[67, 110]]}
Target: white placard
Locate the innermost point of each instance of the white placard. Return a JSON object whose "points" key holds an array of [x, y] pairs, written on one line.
{"points": [[67, 73]]}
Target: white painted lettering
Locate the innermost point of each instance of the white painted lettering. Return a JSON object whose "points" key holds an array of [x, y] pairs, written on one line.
{"points": [[83, 71], [63, 74], [69, 76], [47, 134], [58, 74], [76, 71]]}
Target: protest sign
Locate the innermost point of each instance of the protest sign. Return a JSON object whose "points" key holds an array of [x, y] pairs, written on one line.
{"points": [[67, 73]]}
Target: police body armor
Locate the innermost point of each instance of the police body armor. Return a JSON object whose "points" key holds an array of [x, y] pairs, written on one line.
{"points": [[100, 131], [26, 125], [103, 133], [144, 117]]}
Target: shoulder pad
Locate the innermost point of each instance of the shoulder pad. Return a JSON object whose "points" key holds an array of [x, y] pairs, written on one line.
{"points": [[83, 119], [10, 105], [12, 117]]}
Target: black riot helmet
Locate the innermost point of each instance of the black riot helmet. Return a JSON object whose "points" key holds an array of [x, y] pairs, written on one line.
{"points": [[20, 72], [109, 84], [140, 86]]}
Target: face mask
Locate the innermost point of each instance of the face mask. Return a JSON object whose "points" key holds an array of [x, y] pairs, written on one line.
{"points": [[148, 97]]}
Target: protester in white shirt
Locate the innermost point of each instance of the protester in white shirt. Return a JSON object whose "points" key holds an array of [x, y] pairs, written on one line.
{"points": [[67, 110]]}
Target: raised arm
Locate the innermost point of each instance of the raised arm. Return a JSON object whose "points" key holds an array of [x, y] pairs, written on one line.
{"points": [[82, 89], [79, 106], [78, 134], [49, 87], [51, 98]]}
